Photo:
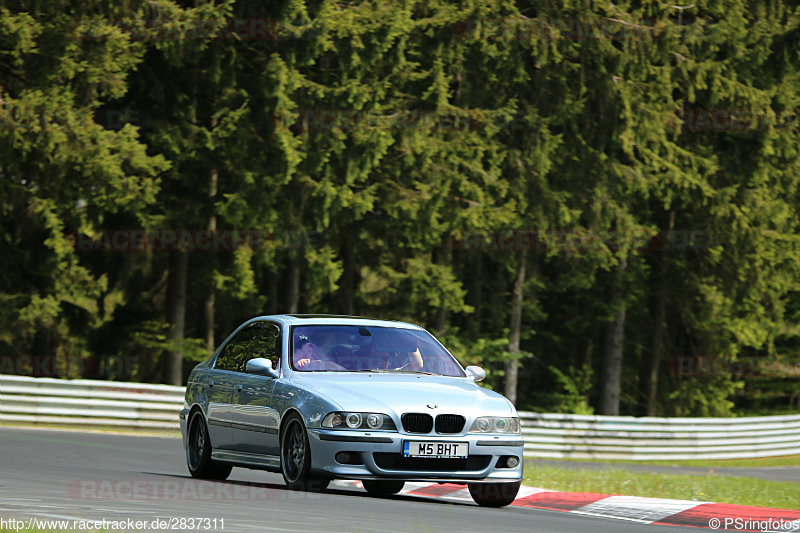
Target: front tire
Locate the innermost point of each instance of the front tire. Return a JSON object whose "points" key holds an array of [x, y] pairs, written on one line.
{"points": [[494, 494], [296, 458], [198, 451], [382, 487]]}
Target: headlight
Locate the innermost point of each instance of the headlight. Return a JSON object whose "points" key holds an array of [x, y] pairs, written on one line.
{"points": [[374, 421], [354, 420], [363, 421], [495, 424]]}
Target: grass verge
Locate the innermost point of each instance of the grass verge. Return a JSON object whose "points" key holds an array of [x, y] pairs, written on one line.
{"points": [[707, 488], [113, 430], [759, 462]]}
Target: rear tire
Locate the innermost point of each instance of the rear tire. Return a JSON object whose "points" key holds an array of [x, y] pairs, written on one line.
{"points": [[296, 458], [494, 494], [198, 451], [382, 487]]}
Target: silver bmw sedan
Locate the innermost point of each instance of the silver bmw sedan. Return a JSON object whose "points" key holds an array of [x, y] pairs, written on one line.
{"points": [[322, 397]]}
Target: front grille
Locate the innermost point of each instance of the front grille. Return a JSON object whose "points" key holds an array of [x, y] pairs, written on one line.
{"points": [[395, 461], [417, 422], [449, 423]]}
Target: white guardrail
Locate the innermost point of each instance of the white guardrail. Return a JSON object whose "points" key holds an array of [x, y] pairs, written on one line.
{"points": [[84, 402], [560, 436]]}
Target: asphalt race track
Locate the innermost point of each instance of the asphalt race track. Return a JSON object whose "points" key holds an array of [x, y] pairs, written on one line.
{"points": [[72, 475]]}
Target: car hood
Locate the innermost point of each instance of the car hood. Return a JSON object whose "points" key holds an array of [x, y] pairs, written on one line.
{"points": [[399, 393]]}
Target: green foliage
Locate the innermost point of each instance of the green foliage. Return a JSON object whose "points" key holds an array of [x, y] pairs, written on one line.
{"points": [[576, 384], [370, 140], [489, 354], [153, 339]]}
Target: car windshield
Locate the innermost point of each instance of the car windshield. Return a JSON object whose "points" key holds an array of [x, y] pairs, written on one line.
{"points": [[355, 348]]}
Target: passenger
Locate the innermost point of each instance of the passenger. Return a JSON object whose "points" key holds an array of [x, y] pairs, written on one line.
{"points": [[406, 361], [414, 361]]}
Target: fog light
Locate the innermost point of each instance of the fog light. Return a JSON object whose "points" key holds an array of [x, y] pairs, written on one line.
{"points": [[508, 461], [343, 457], [348, 458]]}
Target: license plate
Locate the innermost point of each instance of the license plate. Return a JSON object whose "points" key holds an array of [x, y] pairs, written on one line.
{"points": [[439, 450]]}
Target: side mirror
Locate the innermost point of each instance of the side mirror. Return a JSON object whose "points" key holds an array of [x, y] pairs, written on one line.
{"points": [[476, 373], [261, 367]]}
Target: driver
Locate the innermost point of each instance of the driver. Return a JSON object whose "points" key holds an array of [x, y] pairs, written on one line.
{"points": [[306, 351]]}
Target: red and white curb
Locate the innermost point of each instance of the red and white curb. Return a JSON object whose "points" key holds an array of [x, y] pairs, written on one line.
{"points": [[660, 511]]}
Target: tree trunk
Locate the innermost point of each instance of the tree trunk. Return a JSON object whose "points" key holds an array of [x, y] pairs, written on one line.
{"points": [[348, 272], [272, 292], [293, 298], [512, 366], [613, 349], [658, 332], [657, 353], [588, 355], [42, 349], [211, 296], [477, 278], [176, 314], [209, 319], [444, 260]]}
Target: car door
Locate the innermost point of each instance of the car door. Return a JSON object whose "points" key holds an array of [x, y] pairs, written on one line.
{"points": [[255, 420], [221, 382]]}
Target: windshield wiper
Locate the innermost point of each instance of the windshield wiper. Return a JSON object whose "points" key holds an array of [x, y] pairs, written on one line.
{"points": [[395, 371]]}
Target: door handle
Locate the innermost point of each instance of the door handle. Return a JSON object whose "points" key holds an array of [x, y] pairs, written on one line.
{"points": [[238, 388], [211, 383]]}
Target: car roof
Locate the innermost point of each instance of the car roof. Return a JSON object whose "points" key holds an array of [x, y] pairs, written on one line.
{"points": [[337, 320]]}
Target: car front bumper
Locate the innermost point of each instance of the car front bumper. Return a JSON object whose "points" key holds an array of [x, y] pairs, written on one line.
{"points": [[381, 456]]}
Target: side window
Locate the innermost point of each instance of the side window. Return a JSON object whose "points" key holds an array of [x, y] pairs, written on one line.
{"points": [[268, 344], [236, 353]]}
